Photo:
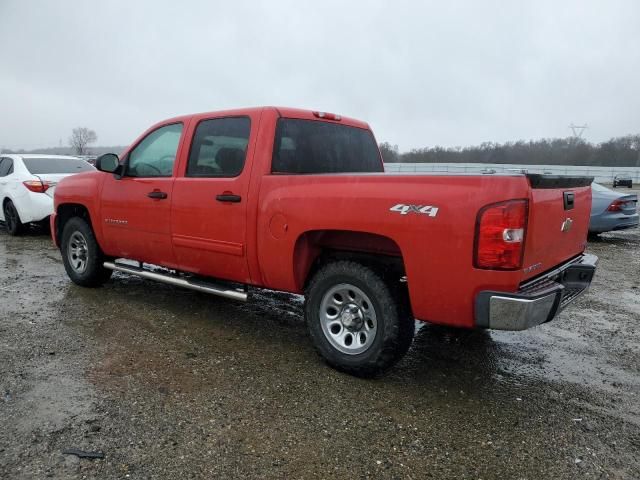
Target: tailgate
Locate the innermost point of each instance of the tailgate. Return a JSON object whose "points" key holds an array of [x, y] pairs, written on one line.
{"points": [[559, 214]]}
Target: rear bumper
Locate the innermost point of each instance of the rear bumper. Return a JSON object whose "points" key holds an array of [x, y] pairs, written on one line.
{"points": [[537, 301], [34, 207], [607, 223]]}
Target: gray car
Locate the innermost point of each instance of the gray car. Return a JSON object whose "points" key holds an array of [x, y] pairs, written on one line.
{"points": [[611, 210]]}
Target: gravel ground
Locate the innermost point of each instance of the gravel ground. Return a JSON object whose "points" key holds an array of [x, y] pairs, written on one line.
{"points": [[170, 383]]}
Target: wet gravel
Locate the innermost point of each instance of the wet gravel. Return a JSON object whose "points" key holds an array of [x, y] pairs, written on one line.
{"points": [[169, 383]]}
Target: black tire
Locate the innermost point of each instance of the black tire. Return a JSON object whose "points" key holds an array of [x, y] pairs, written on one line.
{"points": [[92, 273], [394, 327], [12, 219], [44, 226]]}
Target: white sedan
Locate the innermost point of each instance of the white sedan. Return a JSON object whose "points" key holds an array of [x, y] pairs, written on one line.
{"points": [[27, 183]]}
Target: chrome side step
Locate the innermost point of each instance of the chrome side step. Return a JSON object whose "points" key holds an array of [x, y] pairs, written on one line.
{"points": [[199, 285]]}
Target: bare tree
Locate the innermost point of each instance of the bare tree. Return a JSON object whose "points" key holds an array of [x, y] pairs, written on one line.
{"points": [[390, 153], [80, 138]]}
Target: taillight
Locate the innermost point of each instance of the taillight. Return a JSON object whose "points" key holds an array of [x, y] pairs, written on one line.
{"points": [[37, 186], [616, 206], [500, 233]]}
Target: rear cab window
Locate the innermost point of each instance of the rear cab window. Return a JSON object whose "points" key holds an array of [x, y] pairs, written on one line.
{"points": [[309, 146], [44, 165]]}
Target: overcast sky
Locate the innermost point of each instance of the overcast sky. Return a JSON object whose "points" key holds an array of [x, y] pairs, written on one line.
{"points": [[421, 73]]}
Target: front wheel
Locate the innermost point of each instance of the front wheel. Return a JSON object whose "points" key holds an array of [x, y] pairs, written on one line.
{"points": [[81, 254], [358, 322]]}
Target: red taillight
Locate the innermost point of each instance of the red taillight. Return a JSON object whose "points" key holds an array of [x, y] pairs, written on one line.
{"points": [[500, 235], [327, 116], [36, 186], [616, 206]]}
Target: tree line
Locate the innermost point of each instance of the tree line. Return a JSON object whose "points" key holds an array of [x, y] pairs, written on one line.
{"points": [[616, 152]]}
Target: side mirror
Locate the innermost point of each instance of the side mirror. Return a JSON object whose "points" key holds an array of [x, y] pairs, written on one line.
{"points": [[109, 162]]}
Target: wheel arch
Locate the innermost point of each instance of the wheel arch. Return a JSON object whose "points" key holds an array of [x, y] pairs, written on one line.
{"points": [[7, 199], [67, 211], [315, 248]]}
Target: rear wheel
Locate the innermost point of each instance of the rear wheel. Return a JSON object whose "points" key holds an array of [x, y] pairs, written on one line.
{"points": [[358, 322], [81, 254], [12, 219]]}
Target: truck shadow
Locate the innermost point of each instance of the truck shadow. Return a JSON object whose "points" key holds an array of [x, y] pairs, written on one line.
{"points": [[454, 355], [272, 323], [31, 230]]}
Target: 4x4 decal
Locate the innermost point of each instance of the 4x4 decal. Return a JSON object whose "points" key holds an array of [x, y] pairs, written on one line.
{"points": [[404, 209]]}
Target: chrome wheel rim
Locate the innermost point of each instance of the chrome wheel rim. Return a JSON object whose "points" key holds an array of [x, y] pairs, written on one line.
{"points": [[77, 252], [348, 319]]}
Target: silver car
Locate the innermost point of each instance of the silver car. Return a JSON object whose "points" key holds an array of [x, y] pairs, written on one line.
{"points": [[611, 210]]}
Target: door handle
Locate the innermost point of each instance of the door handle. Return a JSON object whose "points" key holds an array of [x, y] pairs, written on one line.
{"points": [[157, 195], [228, 197]]}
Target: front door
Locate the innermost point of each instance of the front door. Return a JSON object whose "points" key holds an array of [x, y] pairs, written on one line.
{"points": [[136, 209], [209, 206]]}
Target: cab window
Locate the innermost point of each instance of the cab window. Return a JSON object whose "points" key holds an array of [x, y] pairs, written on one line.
{"points": [[308, 146], [155, 155], [219, 147]]}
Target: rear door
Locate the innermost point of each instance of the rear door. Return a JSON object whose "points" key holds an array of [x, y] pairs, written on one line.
{"points": [[136, 209], [209, 206], [559, 214]]}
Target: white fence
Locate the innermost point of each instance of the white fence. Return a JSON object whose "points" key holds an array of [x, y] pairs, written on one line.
{"points": [[601, 174]]}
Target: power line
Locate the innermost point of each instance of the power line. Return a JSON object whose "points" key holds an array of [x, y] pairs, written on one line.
{"points": [[578, 130]]}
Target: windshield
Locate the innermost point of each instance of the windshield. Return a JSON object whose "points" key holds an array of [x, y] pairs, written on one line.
{"points": [[306, 146], [40, 165], [599, 188]]}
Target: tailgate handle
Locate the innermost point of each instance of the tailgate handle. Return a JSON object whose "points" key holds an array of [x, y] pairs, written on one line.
{"points": [[569, 198]]}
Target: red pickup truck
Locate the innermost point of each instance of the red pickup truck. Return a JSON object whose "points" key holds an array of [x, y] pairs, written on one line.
{"points": [[298, 201]]}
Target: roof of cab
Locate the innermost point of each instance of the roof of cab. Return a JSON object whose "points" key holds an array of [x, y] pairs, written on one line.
{"points": [[285, 112]]}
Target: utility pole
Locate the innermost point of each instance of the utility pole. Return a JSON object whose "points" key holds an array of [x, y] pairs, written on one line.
{"points": [[578, 130]]}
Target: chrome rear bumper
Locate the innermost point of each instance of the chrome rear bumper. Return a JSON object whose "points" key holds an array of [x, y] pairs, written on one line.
{"points": [[537, 301]]}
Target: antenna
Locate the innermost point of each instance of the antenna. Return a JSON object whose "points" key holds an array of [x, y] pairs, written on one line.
{"points": [[578, 130]]}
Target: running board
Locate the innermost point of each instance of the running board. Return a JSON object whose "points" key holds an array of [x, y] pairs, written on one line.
{"points": [[198, 285]]}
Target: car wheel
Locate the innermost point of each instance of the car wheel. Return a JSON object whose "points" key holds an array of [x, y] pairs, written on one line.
{"points": [[12, 219], [358, 322], [81, 254]]}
